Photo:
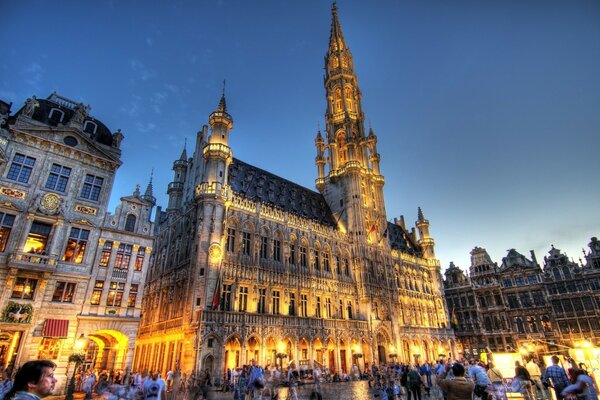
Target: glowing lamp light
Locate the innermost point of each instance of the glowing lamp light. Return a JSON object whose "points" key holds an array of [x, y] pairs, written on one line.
{"points": [[80, 343]]}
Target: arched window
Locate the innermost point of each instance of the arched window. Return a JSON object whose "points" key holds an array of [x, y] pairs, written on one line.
{"points": [[343, 152], [338, 100], [349, 99], [90, 127], [56, 116], [344, 61], [130, 223]]}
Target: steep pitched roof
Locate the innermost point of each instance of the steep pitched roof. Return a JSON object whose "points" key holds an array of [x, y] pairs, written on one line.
{"points": [[259, 185], [400, 239]]}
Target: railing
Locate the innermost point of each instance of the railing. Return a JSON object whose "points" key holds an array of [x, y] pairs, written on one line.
{"points": [[175, 186], [212, 188], [28, 260], [120, 274], [217, 149]]}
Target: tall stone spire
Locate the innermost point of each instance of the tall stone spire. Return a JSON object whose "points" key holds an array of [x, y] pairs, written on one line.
{"points": [[149, 193], [336, 37]]}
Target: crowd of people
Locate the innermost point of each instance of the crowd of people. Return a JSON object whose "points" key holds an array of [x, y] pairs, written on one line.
{"points": [[458, 380]]}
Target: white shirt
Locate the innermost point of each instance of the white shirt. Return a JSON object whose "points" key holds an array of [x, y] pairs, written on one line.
{"points": [[153, 389]]}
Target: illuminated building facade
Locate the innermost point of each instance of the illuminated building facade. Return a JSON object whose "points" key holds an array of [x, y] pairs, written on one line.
{"points": [[521, 307], [68, 267], [251, 266]]}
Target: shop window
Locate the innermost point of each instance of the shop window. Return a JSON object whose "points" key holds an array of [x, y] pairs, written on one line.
{"points": [[76, 245], [24, 289], [6, 223], [37, 239], [63, 293], [49, 348]]}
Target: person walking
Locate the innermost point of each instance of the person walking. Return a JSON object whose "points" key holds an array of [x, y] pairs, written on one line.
{"points": [[556, 376], [583, 387], [155, 388], [524, 379], [536, 380], [413, 384], [458, 387], [256, 381], [483, 384], [34, 380]]}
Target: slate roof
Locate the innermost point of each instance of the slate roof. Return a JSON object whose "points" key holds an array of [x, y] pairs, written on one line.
{"points": [[259, 185], [400, 239]]}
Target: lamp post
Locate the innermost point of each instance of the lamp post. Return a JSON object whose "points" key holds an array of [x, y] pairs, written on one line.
{"points": [[281, 354], [77, 358], [356, 355]]}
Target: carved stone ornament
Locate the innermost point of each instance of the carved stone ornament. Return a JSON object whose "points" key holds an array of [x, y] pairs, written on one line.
{"points": [[50, 203], [215, 252], [17, 313], [17, 194]]}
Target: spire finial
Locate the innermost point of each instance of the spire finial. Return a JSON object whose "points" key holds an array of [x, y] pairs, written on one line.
{"points": [[149, 193], [420, 216], [222, 104]]}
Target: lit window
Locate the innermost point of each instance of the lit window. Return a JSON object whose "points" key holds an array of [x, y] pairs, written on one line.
{"points": [[106, 252], [139, 259], [21, 168], [49, 348], [76, 245], [37, 239], [115, 294], [6, 223], [243, 299], [92, 187], [58, 178], [97, 293], [24, 289], [130, 223], [123, 256], [133, 291], [63, 293]]}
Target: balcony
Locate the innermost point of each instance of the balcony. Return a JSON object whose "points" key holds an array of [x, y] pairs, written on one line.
{"points": [[211, 189], [120, 274], [32, 261], [217, 150]]}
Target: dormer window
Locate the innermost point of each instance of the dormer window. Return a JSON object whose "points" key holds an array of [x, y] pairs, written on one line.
{"points": [[56, 116], [90, 127]]}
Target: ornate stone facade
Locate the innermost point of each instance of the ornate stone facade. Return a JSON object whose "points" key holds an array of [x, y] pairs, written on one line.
{"points": [[520, 306], [61, 280], [251, 266]]}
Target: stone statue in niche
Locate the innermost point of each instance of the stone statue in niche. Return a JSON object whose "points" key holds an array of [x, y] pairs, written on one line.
{"points": [[30, 106], [117, 138]]}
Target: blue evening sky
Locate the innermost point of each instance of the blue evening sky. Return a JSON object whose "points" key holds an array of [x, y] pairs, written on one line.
{"points": [[487, 112]]}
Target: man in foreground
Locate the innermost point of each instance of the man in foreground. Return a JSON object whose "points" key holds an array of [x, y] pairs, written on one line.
{"points": [[458, 387], [34, 380]]}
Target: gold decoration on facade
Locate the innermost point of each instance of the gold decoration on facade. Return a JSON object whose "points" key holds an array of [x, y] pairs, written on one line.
{"points": [[85, 209], [50, 203], [17, 194]]}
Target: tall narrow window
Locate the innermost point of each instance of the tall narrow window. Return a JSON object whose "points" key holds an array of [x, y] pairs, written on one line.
{"points": [[6, 223], [292, 254], [230, 245], [277, 250], [97, 293], [338, 100], [58, 178], [341, 311], [63, 293], [106, 252], [130, 223], [303, 260], [133, 292], [76, 245], [349, 100], [303, 305], [139, 258], [275, 298], [226, 298], [349, 310], [263, 247], [243, 299], [21, 168], [318, 307], [123, 256], [346, 267], [115, 294], [338, 267], [246, 248], [262, 298], [24, 289], [328, 308], [92, 186], [317, 260], [326, 261], [37, 239], [292, 309]]}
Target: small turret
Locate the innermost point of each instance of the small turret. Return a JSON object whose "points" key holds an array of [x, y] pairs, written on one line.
{"points": [[149, 193], [175, 188], [425, 241]]}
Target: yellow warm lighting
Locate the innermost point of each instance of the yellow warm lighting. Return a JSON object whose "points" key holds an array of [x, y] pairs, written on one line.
{"points": [[523, 351], [392, 349], [80, 343], [281, 347], [356, 349], [584, 343]]}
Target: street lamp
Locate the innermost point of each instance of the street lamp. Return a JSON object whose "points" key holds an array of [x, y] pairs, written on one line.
{"points": [[281, 354], [356, 355], [77, 358]]}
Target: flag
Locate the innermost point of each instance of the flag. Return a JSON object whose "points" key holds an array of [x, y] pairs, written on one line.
{"points": [[371, 231], [385, 233], [453, 319], [217, 296]]}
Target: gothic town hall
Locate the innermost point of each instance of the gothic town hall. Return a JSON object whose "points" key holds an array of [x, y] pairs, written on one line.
{"points": [[248, 265]]}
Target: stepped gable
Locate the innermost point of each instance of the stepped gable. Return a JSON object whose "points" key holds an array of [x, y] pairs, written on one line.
{"points": [[265, 187], [400, 240]]}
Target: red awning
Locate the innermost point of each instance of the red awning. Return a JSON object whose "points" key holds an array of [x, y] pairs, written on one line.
{"points": [[56, 328]]}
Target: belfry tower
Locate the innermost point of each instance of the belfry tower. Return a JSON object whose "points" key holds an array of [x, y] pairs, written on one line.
{"points": [[347, 159]]}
